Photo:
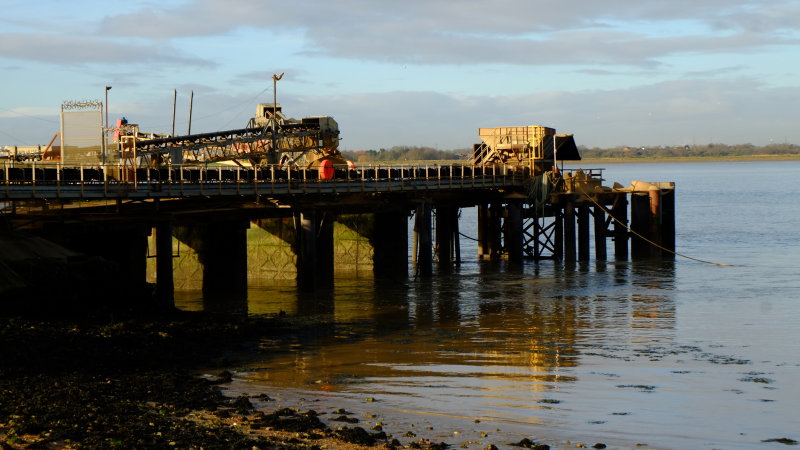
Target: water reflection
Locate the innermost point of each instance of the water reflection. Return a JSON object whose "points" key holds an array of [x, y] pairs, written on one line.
{"points": [[598, 348], [487, 340], [482, 332]]}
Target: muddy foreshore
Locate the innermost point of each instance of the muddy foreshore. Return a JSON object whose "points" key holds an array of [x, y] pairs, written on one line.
{"points": [[132, 382]]}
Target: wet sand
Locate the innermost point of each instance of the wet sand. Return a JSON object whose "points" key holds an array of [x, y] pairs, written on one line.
{"points": [[137, 382]]}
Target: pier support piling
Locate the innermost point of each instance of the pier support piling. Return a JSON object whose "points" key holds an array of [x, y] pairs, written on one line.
{"points": [[483, 235], [223, 254], [314, 250], [641, 223], [558, 235], [569, 232], [490, 231], [620, 212], [514, 231], [583, 233], [165, 285], [599, 233], [423, 238], [668, 222], [390, 245], [446, 236]]}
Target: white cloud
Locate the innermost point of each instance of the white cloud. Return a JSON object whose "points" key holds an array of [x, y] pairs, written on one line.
{"points": [[656, 114], [648, 72], [76, 50], [479, 32]]}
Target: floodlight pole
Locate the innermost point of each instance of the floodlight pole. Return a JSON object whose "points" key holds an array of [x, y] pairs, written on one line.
{"points": [[275, 78], [105, 129]]}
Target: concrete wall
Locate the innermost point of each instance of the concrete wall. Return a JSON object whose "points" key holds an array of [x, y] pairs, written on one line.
{"points": [[270, 251]]}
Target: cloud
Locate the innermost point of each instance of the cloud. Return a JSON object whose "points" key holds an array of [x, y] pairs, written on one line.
{"points": [[668, 113], [665, 113], [478, 32], [76, 50]]}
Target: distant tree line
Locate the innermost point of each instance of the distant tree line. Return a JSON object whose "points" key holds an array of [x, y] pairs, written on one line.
{"points": [[408, 153], [404, 153], [706, 150]]}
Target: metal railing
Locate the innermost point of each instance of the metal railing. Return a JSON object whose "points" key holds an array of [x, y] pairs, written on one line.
{"points": [[55, 181]]}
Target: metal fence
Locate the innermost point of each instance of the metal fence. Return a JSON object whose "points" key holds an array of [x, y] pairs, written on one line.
{"points": [[56, 181]]}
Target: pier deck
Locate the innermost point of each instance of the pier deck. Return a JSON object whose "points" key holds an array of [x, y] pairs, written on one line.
{"points": [[113, 212]]}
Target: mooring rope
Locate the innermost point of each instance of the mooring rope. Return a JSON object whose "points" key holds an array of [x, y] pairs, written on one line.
{"points": [[655, 244], [468, 237]]}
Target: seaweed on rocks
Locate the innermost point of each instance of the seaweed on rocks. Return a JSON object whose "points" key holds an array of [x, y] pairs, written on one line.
{"points": [[129, 382]]}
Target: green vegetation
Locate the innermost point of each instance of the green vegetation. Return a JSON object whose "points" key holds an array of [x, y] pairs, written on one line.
{"points": [[691, 151], [407, 154]]}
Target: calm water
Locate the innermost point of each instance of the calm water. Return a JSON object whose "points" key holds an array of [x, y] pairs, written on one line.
{"points": [[672, 355]]}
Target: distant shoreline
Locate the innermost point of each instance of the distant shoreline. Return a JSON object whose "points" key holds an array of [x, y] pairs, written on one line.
{"points": [[744, 158], [688, 159]]}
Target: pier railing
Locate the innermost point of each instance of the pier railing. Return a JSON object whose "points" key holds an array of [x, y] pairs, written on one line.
{"points": [[55, 181]]}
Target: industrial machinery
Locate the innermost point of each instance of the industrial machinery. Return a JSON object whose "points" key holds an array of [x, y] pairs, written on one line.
{"points": [[269, 138], [535, 147]]}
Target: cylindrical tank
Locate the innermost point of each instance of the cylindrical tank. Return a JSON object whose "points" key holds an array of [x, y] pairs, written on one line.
{"points": [[326, 170]]}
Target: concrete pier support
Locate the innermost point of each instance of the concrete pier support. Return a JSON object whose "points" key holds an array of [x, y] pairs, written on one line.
{"points": [[514, 231], [325, 249], [223, 253], [165, 285], [132, 256], [314, 250], [390, 245], [124, 245], [423, 250]]}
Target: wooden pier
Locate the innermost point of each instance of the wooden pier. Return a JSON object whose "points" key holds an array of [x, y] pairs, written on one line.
{"points": [[213, 209]]}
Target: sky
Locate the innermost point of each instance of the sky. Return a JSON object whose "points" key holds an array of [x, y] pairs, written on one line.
{"points": [[416, 72]]}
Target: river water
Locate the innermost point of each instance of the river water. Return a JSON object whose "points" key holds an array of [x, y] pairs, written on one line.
{"points": [[673, 354]]}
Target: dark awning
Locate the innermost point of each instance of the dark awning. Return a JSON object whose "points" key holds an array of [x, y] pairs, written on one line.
{"points": [[565, 144]]}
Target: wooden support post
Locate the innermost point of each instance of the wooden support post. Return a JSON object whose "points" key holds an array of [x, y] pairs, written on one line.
{"points": [[620, 212], [165, 285], [483, 244], [456, 240], [513, 229], [537, 232], [600, 234], [654, 235], [583, 233], [640, 225], [569, 232], [495, 230], [558, 232], [424, 250], [445, 218], [668, 222]]}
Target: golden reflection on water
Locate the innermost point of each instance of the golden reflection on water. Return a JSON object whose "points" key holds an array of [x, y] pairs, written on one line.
{"points": [[500, 333]]}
